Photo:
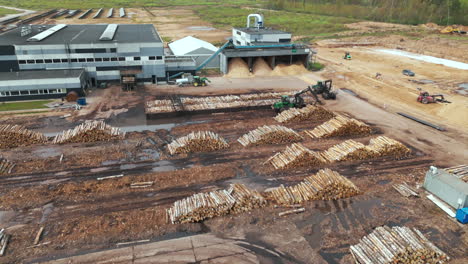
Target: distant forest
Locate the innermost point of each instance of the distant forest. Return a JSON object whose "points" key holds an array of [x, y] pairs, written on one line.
{"points": [[441, 12]]}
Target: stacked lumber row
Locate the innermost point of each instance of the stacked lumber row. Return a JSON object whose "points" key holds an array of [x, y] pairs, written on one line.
{"points": [[12, 136], [301, 114], [5, 166], [90, 131], [162, 106], [385, 146], [460, 171], [224, 105], [325, 185], [405, 190], [396, 245], [296, 155], [199, 141], [200, 206], [348, 150], [339, 126], [269, 135]]}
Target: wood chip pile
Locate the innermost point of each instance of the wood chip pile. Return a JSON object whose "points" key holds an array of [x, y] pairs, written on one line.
{"points": [[309, 112], [269, 135], [348, 150], [385, 146], [339, 126], [90, 131], [294, 156], [198, 207], [12, 136], [397, 245], [215, 102], [325, 185], [199, 141], [460, 171], [5, 166]]}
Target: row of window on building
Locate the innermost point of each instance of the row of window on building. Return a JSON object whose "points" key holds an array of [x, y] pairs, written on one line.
{"points": [[40, 61], [32, 92]]}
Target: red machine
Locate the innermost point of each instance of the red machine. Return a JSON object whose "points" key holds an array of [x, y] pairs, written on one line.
{"points": [[426, 98]]}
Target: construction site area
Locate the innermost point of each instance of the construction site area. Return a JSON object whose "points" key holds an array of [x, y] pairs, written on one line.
{"points": [[159, 151]]}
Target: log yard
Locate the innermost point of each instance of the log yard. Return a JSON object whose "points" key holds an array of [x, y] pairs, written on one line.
{"points": [[214, 132]]}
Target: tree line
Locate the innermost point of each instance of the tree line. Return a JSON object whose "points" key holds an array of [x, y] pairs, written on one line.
{"points": [[442, 12]]}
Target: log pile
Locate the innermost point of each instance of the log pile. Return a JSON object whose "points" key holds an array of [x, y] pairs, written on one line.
{"points": [[348, 150], [340, 126], [309, 112], [397, 245], [294, 156], [237, 198], [460, 171], [12, 136], [5, 166], [90, 131], [4, 239], [199, 141], [385, 146], [325, 185], [269, 135], [246, 199]]}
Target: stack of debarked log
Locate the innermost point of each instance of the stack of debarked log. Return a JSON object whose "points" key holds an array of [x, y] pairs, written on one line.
{"points": [[339, 126], [269, 135], [325, 185], [5, 166], [200, 206], [309, 112], [296, 155], [404, 245], [12, 136], [197, 142], [90, 131]]}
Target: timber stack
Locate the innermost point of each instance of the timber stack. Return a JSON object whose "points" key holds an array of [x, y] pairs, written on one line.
{"points": [[340, 126], [236, 199], [90, 131], [199, 141], [200, 206], [325, 185], [295, 156], [348, 150], [385, 146], [269, 135], [246, 199], [309, 112], [5, 166], [460, 171], [12, 136], [387, 245]]}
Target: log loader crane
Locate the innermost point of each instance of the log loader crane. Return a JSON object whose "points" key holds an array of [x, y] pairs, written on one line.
{"points": [[322, 87]]}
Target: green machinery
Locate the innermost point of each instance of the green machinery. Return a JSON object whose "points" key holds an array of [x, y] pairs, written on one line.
{"points": [[200, 81], [347, 56], [322, 87]]}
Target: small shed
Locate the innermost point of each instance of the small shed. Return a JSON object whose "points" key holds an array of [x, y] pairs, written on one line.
{"points": [[447, 186], [199, 49]]}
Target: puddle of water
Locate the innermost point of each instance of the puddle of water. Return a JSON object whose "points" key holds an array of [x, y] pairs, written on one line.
{"points": [[163, 165], [200, 28], [149, 154], [99, 169], [463, 89], [383, 182], [348, 91], [110, 162], [62, 173], [431, 59], [6, 216], [46, 152], [46, 211]]}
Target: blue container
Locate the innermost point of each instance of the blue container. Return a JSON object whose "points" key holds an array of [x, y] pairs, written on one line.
{"points": [[462, 215], [81, 101]]}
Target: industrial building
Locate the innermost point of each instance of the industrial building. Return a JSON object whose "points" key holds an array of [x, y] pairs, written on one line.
{"points": [[30, 85], [272, 45], [102, 50], [447, 186]]}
